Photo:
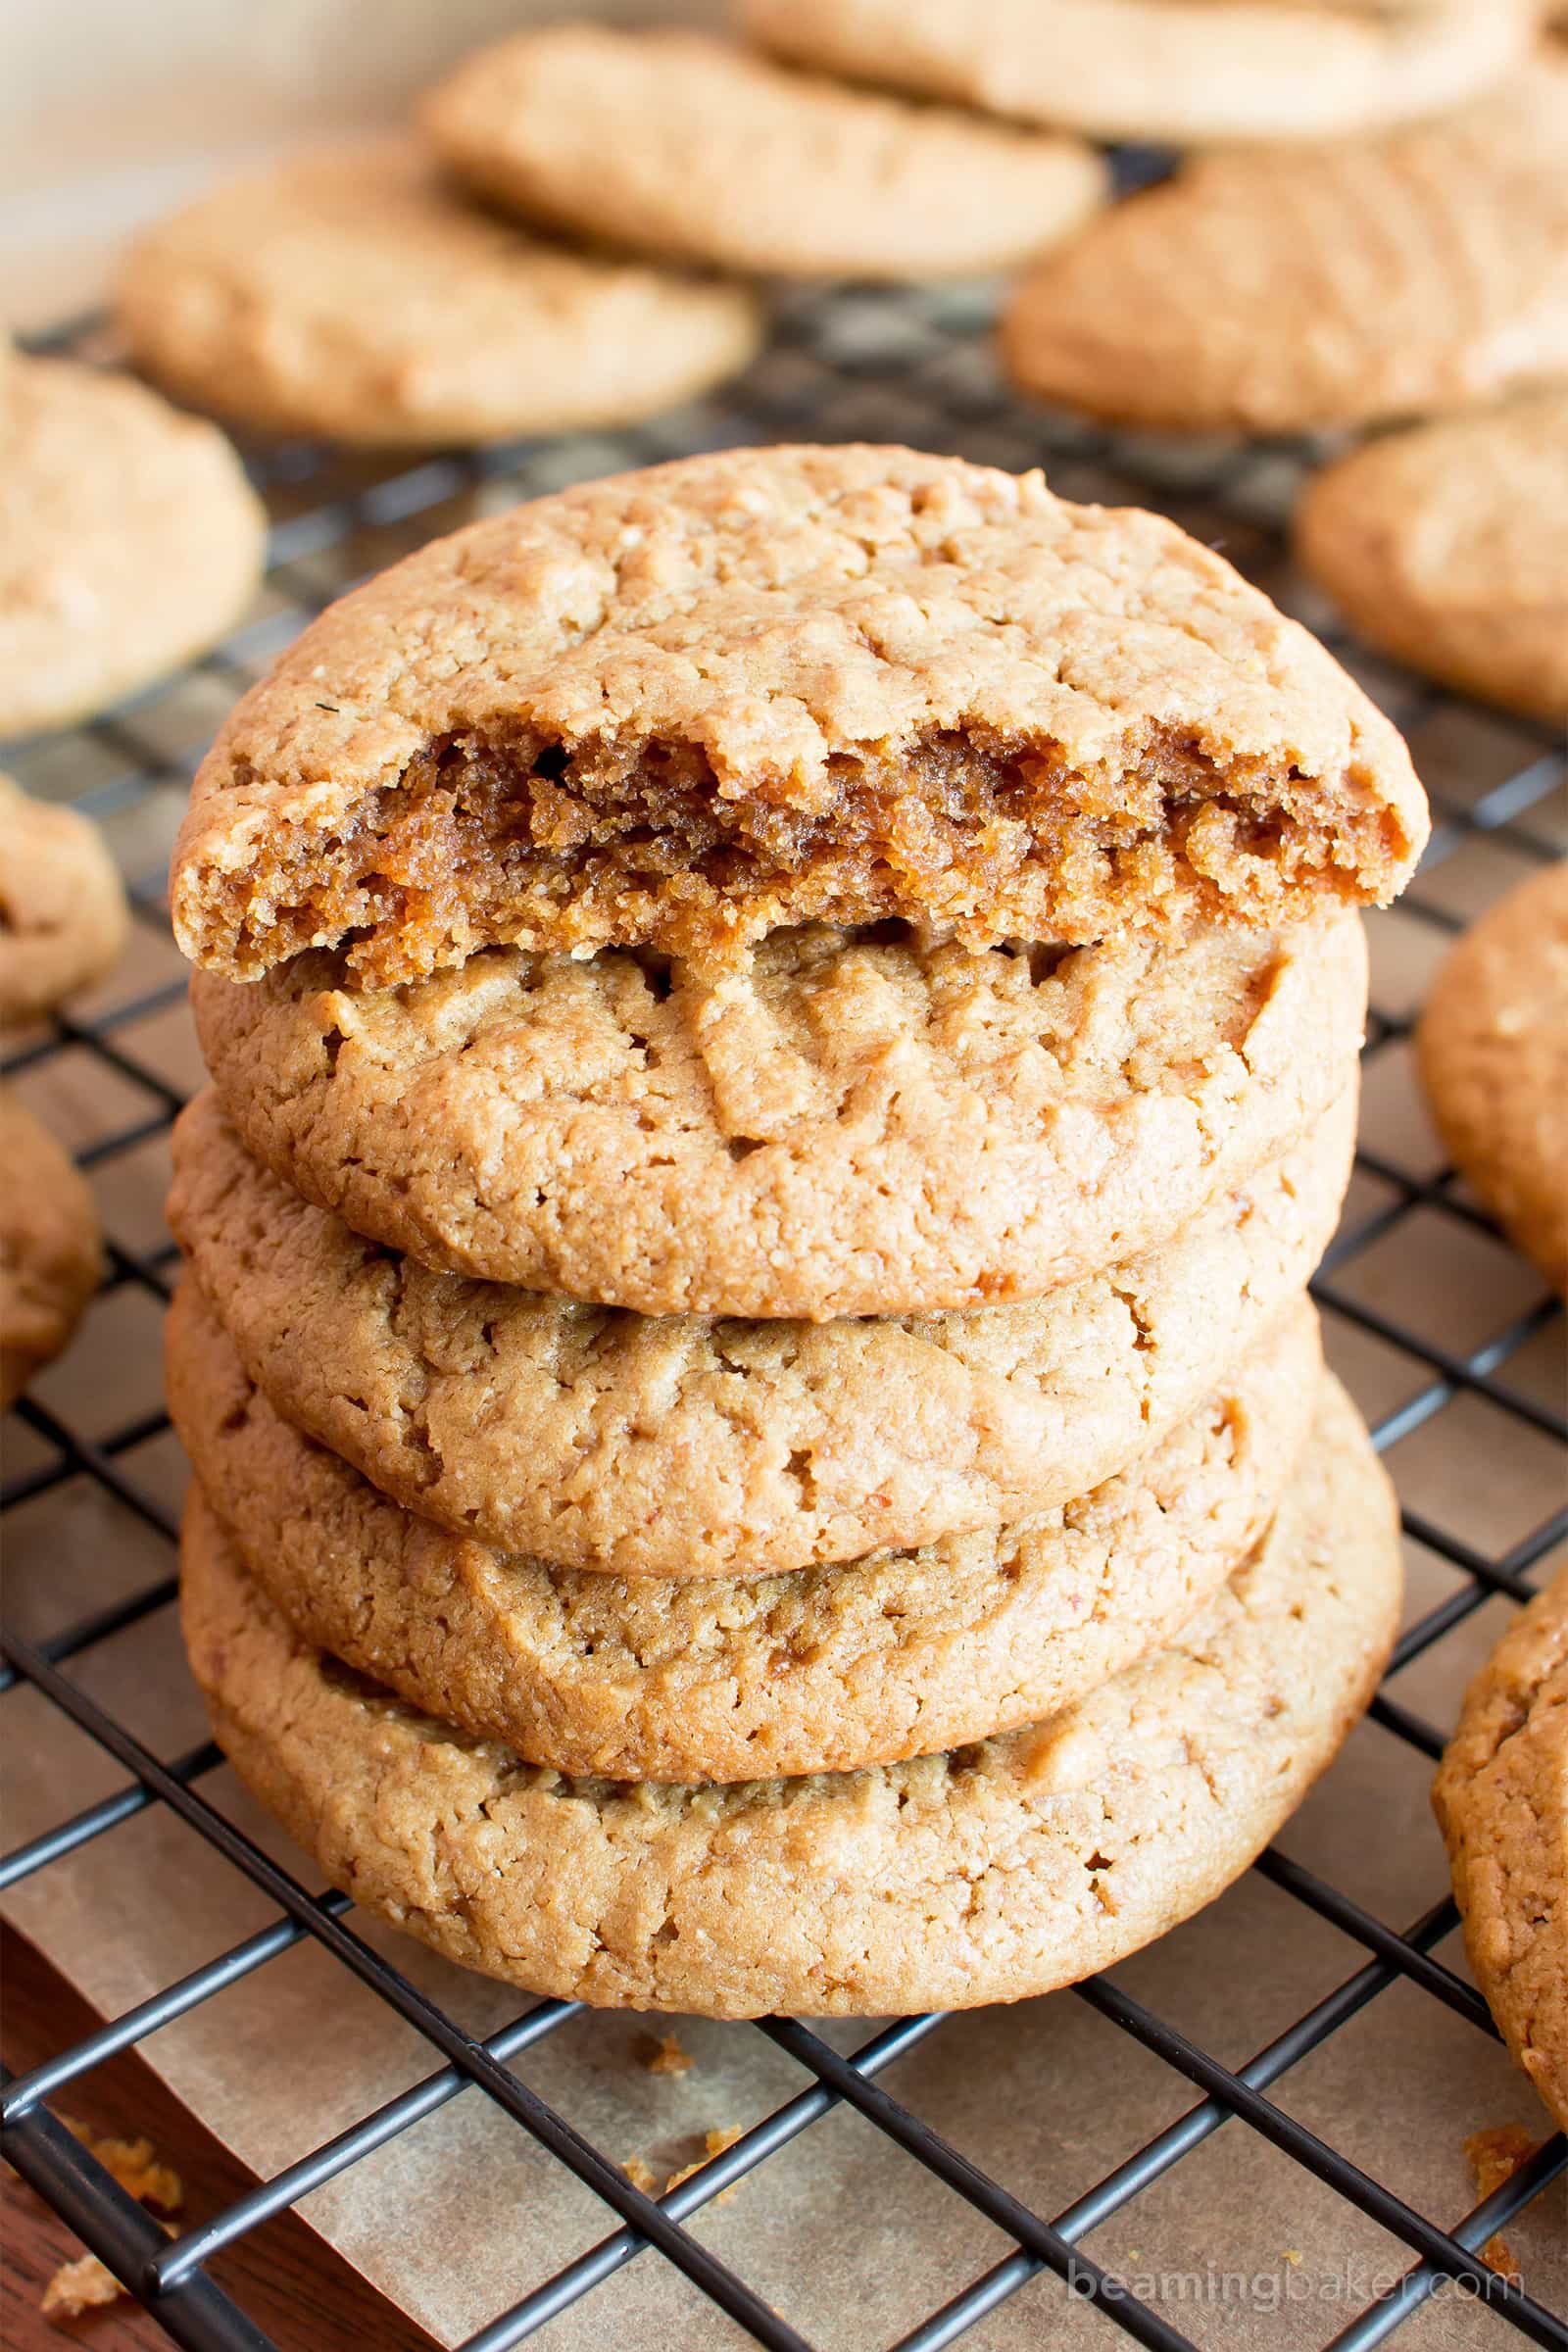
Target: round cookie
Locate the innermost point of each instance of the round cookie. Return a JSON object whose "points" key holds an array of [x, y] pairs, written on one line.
{"points": [[63, 917], [349, 293], [1246, 295], [1502, 1800], [677, 145], [1444, 546], [685, 708], [984, 1874], [129, 540], [1492, 1047], [1173, 71], [674, 1446], [897, 1655], [50, 1260], [850, 1125]]}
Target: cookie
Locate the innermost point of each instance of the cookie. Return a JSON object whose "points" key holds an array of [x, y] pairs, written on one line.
{"points": [[677, 145], [50, 1260], [350, 293], [1501, 1799], [850, 1125], [1249, 295], [984, 1874], [63, 916], [1444, 546], [674, 1446], [129, 540], [1494, 1055], [897, 1655], [684, 708], [1173, 71]]}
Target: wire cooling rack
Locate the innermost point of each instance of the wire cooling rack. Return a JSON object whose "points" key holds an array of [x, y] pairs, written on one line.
{"points": [[844, 364]]}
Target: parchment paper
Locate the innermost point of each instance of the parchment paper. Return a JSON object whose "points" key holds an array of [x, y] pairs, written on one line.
{"points": [[850, 2238]]}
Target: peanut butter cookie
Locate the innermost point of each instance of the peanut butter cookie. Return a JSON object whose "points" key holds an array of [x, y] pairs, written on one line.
{"points": [[63, 915], [50, 1260]]}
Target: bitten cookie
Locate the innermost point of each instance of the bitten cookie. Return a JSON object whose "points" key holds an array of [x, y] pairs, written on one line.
{"points": [[675, 1446], [1345, 283], [897, 1655], [50, 1259], [129, 540], [850, 1125], [683, 708], [1501, 1799], [350, 293], [1447, 547], [1494, 1056], [63, 915], [675, 144], [1174, 72], [984, 1874]]}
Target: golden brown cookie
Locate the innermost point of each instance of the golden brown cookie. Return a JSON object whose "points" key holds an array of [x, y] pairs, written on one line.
{"points": [[683, 708], [1501, 1799], [678, 145], [1447, 547], [851, 1124], [50, 1261], [1494, 1056], [1342, 284], [985, 1873], [897, 1655], [63, 916], [677, 1446], [350, 293], [1174, 72], [129, 540]]}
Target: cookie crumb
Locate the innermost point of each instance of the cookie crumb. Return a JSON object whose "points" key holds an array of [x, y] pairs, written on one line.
{"points": [[1293, 2256], [86, 2283], [663, 2054], [1495, 2155], [641, 2176], [714, 2144]]}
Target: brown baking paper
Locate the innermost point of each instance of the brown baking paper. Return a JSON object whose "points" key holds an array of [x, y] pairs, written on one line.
{"points": [[851, 2239]]}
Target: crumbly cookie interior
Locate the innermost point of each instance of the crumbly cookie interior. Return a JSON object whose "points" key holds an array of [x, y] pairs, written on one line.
{"points": [[501, 834]]}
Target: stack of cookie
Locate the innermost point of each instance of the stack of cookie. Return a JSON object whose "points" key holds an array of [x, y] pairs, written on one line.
{"points": [[784, 1038]]}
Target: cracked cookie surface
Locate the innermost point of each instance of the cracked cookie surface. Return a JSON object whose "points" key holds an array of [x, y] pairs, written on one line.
{"points": [[680, 1446], [682, 709], [988, 1873], [900, 1653], [1502, 1800], [851, 1124]]}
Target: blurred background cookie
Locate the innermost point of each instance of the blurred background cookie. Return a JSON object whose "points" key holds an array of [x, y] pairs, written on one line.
{"points": [[1447, 545], [352, 293], [129, 540], [670, 143], [50, 1259], [63, 916]]}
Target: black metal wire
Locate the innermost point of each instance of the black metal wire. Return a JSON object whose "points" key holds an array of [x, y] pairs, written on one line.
{"points": [[841, 364]]}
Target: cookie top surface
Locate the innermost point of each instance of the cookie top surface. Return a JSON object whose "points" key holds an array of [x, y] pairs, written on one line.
{"points": [[350, 293], [680, 709], [848, 1125], [61, 905], [1174, 72], [677, 144], [987, 1873], [675, 1446], [1245, 294], [49, 1255], [1502, 1797], [897, 1654], [1494, 1056], [129, 540], [1445, 546]]}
